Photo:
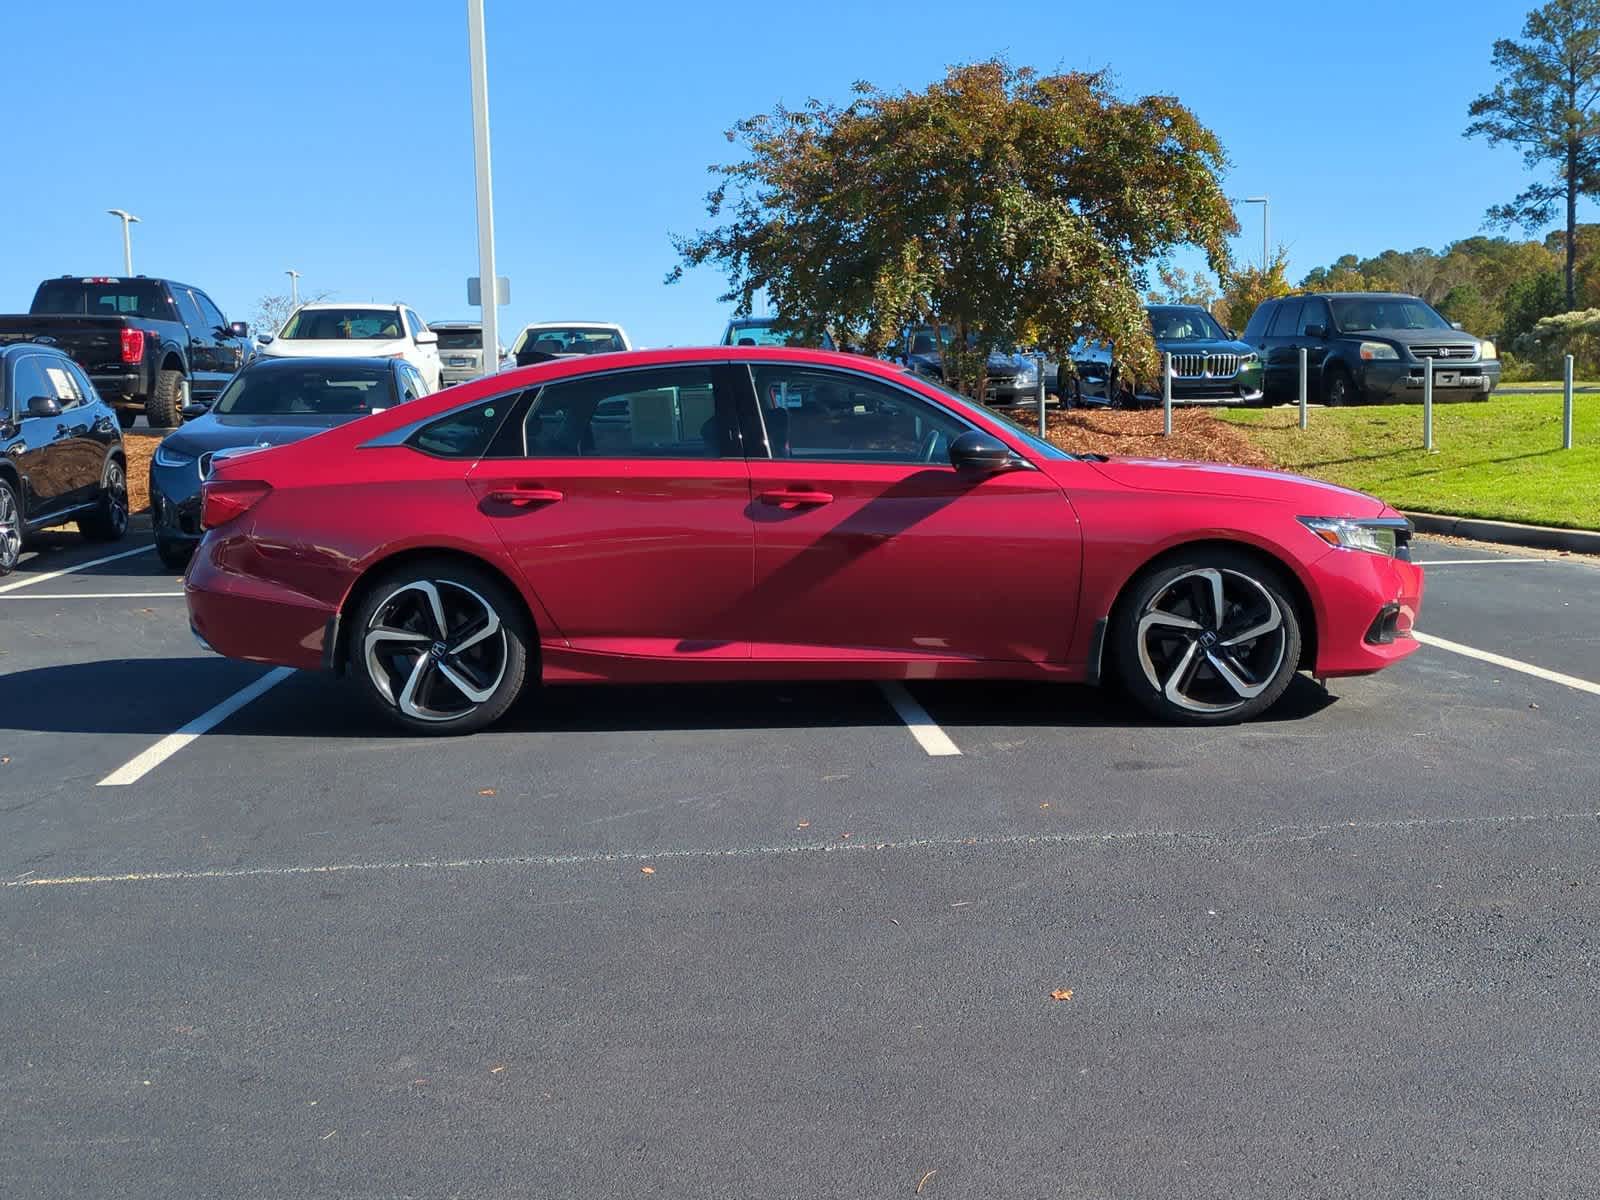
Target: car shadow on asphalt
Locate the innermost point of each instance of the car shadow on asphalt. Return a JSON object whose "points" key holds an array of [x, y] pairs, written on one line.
{"points": [[157, 697]]}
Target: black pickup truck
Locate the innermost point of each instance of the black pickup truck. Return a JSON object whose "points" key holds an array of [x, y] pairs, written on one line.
{"points": [[149, 345]]}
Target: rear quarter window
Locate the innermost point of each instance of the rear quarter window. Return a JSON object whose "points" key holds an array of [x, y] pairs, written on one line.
{"points": [[465, 433]]}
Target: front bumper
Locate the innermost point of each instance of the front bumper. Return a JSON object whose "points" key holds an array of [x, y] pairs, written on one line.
{"points": [[1361, 599], [175, 504], [1400, 382]]}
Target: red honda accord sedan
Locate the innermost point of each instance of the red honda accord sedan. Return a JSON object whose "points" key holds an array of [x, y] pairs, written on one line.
{"points": [[760, 514]]}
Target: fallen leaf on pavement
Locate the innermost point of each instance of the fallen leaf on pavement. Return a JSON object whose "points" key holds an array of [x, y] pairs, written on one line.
{"points": [[485, 791], [647, 870], [925, 1179], [802, 825], [1061, 994], [497, 1070], [4, 759], [1046, 804]]}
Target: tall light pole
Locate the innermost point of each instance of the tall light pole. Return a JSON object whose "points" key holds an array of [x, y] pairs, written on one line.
{"points": [[127, 240], [488, 282], [294, 287], [1266, 208]]}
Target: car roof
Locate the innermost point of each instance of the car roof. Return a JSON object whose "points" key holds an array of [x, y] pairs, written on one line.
{"points": [[455, 324], [33, 348], [1353, 296], [374, 306], [572, 325]]}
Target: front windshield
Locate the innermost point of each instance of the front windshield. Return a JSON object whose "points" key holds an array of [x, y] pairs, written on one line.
{"points": [[763, 332], [965, 407], [1357, 314], [342, 390], [343, 325], [547, 342], [1185, 325]]}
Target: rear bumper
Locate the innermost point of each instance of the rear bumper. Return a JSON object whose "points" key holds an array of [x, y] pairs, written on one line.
{"points": [[1363, 597], [241, 616], [119, 385]]}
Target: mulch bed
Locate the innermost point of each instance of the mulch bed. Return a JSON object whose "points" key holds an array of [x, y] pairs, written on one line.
{"points": [[1196, 434], [138, 447]]}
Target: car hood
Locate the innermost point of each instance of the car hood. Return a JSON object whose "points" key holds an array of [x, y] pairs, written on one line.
{"points": [[217, 431], [334, 348], [1311, 497], [998, 363], [1203, 346]]}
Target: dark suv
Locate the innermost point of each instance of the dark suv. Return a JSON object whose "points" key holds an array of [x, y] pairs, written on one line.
{"points": [[1368, 347]]}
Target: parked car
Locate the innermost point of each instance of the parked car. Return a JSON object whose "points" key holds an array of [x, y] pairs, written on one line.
{"points": [[546, 340], [1013, 375], [765, 331], [61, 456], [148, 345], [271, 402], [791, 514], [461, 351], [1368, 347], [358, 331], [1208, 363]]}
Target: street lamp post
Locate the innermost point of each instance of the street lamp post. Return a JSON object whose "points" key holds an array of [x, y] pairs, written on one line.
{"points": [[294, 287], [489, 289], [1266, 207], [127, 219]]}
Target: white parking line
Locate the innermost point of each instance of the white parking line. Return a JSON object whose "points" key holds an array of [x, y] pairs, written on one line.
{"points": [[137, 768], [923, 727], [1510, 664], [91, 595], [49, 575], [1473, 562]]}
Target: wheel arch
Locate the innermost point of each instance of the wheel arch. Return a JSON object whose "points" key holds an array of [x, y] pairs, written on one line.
{"points": [[1300, 593], [336, 643]]}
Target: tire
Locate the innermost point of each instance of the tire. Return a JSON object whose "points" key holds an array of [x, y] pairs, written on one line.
{"points": [[1173, 658], [11, 530], [174, 555], [109, 522], [163, 409], [1340, 390], [426, 683]]}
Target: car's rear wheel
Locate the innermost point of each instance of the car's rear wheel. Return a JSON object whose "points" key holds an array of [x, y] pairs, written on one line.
{"points": [[1210, 639], [10, 528], [109, 522], [164, 408], [439, 647]]}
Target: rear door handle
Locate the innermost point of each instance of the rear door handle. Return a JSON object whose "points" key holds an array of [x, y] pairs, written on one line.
{"points": [[805, 498], [525, 497]]}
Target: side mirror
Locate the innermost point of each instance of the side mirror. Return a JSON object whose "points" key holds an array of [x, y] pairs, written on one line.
{"points": [[239, 329], [979, 453], [1457, 325], [427, 338], [264, 338], [44, 406], [1317, 331], [193, 409]]}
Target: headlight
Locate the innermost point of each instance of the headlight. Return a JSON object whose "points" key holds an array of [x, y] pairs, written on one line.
{"points": [[1371, 351], [1027, 369], [1486, 350], [1248, 360], [172, 458], [1388, 536]]}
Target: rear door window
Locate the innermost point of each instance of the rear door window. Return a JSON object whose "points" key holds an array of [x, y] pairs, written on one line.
{"points": [[188, 310], [665, 413], [1315, 312], [1287, 321]]}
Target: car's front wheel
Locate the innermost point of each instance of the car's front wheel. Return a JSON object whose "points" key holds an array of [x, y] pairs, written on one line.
{"points": [[1210, 639], [1341, 389], [439, 647], [11, 528]]}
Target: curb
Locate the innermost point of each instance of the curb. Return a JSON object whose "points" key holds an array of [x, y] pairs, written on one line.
{"points": [[1508, 533]]}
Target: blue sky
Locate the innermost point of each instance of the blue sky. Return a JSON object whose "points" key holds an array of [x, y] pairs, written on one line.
{"points": [[336, 138]]}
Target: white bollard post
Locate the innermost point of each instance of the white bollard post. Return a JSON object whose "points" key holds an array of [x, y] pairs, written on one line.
{"points": [[1427, 404], [1304, 415], [1166, 394], [1038, 362], [1566, 404]]}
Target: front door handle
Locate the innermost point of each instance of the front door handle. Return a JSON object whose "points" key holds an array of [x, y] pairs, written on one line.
{"points": [[525, 497], [808, 499]]}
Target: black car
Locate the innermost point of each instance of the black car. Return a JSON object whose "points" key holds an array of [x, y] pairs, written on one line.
{"points": [[1368, 346], [149, 345], [271, 402], [61, 456], [1208, 363], [1013, 376]]}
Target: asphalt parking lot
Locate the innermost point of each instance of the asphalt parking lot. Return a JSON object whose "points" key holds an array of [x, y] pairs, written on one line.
{"points": [[776, 941]]}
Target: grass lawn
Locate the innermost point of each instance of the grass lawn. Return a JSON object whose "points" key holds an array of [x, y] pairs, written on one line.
{"points": [[1500, 459]]}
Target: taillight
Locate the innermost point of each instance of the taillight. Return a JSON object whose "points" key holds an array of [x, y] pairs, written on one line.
{"points": [[224, 500], [132, 345]]}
